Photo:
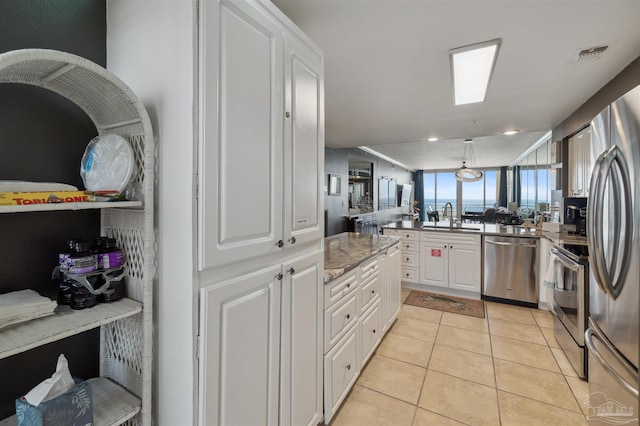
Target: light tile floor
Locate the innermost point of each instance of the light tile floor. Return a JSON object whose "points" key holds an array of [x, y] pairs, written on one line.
{"points": [[435, 368]]}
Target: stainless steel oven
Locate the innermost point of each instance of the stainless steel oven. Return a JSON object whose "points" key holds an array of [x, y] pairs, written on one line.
{"points": [[570, 303]]}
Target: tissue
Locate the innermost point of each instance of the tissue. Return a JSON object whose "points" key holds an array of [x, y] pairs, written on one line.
{"points": [[59, 383]]}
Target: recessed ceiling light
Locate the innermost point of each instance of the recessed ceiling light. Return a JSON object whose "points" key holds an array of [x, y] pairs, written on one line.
{"points": [[432, 139], [510, 132], [472, 67]]}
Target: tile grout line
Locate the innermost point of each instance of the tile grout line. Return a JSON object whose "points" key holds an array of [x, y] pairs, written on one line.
{"points": [[415, 413], [493, 363]]}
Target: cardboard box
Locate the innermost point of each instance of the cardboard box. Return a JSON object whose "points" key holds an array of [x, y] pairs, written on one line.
{"points": [[28, 198], [72, 408]]}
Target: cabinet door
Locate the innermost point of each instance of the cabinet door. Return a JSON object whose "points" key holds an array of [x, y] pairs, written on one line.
{"points": [[464, 267], [434, 264], [370, 332], [393, 295], [304, 143], [302, 339], [240, 163], [341, 369], [240, 350]]}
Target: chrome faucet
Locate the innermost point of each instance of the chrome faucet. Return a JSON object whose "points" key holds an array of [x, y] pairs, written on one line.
{"points": [[444, 214]]}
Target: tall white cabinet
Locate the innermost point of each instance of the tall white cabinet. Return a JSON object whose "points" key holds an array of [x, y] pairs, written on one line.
{"points": [[262, 135], [259, 217]]}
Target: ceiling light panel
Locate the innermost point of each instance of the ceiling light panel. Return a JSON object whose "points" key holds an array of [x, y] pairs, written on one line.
{"points": [[472, 67]]}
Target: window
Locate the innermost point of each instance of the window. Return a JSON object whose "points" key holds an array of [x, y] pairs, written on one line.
{"points": [[442, 187]]}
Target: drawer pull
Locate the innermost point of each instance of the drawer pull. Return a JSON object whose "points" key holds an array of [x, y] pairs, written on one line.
{"points": [[374, 331], [348, 367], [348, 285], [292, 271], [373, 292], [407, 274], [348, 316]]}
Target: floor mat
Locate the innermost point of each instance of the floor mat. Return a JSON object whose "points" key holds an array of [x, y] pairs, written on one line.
{"points": [[456, 305]]}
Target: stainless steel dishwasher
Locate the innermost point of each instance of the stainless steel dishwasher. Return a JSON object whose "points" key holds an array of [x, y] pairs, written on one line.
{"points": [[511, 269]]}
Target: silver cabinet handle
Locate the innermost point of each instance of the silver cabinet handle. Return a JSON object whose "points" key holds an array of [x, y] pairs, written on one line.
{"points": [[588, 339]]}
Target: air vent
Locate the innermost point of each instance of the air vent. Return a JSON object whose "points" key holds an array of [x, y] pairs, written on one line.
{"points": [[592, 54]]}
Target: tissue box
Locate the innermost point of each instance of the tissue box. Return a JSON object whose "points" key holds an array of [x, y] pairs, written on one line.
{"points": [[73, 408]]}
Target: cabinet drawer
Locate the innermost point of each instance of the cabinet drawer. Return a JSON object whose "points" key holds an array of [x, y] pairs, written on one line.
{"points": [[370, 331], [451, 238], [369, 268], [369, 292], [410, 259], [410, 274], [338, 319], [409, 246], [335, 290], [389, 232], [409, 235], [341, 369]]}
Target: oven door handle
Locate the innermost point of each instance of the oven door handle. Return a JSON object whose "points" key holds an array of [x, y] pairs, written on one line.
{"points": [[566, 262]]}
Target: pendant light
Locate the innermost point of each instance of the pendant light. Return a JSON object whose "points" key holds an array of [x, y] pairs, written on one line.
{"points": [[466, 174]]}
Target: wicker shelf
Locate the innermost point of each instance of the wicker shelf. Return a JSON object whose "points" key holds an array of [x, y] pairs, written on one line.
{"points": [[125, 338], [64, 323], [112, 405], [70, 206]]}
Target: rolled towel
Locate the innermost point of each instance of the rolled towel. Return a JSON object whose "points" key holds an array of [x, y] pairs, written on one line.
{"points": [[550, 277]]}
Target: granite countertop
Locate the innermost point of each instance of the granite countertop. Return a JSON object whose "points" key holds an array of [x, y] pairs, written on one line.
{"points": [[493, 229], [476, 228], [345, 251]]}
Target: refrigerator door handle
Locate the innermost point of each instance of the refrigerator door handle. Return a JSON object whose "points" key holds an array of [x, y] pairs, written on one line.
{"points": [[624, 206], [607, 279], [596, 251], [588, 339]]}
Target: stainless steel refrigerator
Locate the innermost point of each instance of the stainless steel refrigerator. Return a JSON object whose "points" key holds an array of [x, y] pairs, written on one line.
{"points": [[613, 233]]}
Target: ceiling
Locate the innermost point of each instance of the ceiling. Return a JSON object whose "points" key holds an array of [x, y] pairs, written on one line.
{"points": [[388, 79]]}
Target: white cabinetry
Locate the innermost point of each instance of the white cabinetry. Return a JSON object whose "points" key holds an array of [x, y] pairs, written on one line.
{"points": [[410, 249], [391, 283], [304, 142], [579, 163], [301, 342], [360, 307], [262, 131], [451, 260], [262, 346], [241, 345], [125, 325], [259, 203]]}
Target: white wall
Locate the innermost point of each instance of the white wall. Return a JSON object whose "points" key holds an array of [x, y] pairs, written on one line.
{"points": [[150, 46]]}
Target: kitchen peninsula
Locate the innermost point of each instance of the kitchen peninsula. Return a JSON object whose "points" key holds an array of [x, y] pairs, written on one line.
{"points": [[361, 301]]}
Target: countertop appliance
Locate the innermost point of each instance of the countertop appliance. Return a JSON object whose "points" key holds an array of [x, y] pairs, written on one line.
{"points": [[510, 269], [570, 302], [575, 212], [613, 235]]}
